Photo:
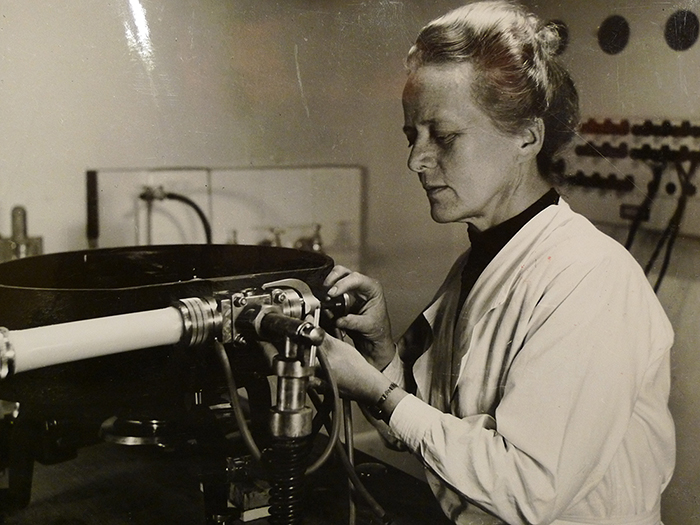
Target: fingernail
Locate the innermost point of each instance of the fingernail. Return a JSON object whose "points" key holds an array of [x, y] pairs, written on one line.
{"points": [[333, 290]]}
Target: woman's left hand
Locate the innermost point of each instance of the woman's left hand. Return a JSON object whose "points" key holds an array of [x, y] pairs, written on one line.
{"points": [[357, 379], [369, 327]]}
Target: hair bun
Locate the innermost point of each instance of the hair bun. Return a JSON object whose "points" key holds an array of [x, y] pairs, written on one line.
{"points": [[551, 39]]}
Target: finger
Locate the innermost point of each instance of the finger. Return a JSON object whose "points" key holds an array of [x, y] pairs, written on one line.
{"points": [[356, 323], [356, 283], [338, 272]]}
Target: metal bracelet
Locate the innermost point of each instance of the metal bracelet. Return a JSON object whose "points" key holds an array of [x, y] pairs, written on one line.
{"points": [[376, 410]]}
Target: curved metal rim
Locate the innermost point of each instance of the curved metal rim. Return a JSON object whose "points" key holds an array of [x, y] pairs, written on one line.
{"points": [[323, 260]]}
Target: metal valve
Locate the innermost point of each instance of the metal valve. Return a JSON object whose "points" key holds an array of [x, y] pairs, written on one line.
{"points": [[277, 310]]}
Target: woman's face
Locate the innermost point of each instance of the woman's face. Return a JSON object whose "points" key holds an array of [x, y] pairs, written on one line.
{"points": [[470, 170]]}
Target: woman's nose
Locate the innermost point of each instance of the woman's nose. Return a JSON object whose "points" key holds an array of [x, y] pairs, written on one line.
{"points": [[421, 158]]}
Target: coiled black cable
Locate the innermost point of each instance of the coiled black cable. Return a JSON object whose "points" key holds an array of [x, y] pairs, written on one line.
{"points": [[288, 456]]}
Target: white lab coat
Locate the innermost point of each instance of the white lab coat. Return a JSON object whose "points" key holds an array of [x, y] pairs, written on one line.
{"points": [[546, 402]]}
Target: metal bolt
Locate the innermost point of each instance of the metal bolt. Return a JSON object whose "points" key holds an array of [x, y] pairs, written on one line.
{"points": [[239, 300], [278, 296]]}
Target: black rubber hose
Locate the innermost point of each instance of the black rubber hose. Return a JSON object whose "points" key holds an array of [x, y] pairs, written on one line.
{"points": [[288, 458], [196, 208]]}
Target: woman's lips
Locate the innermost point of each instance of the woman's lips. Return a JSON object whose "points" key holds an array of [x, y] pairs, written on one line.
{"points": [[433, 191]]}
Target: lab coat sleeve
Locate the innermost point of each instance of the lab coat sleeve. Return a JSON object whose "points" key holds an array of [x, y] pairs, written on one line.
{"points": [[414, 341], [593, 342]]}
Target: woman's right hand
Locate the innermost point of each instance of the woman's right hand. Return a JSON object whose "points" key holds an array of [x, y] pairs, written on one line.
{"points": [[368, 325]]}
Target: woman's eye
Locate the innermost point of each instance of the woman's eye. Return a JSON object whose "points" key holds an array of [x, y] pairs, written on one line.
{"points": [[445, 138], [411, 137]]}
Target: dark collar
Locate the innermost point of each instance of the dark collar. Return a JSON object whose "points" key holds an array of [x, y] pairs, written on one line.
{"points": [[489, 242]]}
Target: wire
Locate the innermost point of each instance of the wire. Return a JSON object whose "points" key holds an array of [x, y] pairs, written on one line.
{"points": [[350, 451], [375, 507], [196, 208], [662, 241], [645, 208], [334, 432], [347, 458], [236, 402], [674, 234], [674, 224]]}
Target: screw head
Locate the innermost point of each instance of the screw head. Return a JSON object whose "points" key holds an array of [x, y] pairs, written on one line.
{"points": [[239, 300]]}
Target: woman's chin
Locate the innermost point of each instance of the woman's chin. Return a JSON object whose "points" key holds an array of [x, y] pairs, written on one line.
{"points": [[441, 217], [443, 214]]}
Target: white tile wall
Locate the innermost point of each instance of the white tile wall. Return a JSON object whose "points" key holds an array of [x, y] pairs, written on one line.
{"points": [[246, 205]]}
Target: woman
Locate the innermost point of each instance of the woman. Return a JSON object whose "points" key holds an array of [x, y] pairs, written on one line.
{"points": [[534, 387]]}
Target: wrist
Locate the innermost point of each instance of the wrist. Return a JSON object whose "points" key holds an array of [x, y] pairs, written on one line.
{"points": [[392, 401], [384, 406], [384, 357]]}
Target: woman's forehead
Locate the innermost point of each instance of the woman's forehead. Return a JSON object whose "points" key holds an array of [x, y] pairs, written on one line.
{"points": [[439, 91], [439, 78]]}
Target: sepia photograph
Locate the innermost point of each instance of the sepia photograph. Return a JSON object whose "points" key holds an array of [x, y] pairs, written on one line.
{"points": [[363, 262]]}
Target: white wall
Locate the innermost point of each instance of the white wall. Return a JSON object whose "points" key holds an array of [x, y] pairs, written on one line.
{"points": [[248, 83]]}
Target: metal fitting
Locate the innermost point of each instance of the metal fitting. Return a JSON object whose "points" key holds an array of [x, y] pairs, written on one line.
{"points": [[278, 296], [201, 320], [239, 300], [290, 416], [295, 424], [7, 354]]}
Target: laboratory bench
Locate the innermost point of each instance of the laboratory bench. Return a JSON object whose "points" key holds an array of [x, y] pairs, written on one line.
{"points": [[108, 484]]}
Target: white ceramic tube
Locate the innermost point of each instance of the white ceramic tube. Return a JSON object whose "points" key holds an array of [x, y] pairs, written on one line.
{"points": [[67, 342]]}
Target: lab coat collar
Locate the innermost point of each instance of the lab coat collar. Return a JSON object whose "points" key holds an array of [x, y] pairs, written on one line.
{"points": [[508, 263]]}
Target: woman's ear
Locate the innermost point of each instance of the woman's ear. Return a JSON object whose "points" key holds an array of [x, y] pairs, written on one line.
{"points": [[532, 138]]}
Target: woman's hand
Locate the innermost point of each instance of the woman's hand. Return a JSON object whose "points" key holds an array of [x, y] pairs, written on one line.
{"points": [[369, 327], [357, 379]]}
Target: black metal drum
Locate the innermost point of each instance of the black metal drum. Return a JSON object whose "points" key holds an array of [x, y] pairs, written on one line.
{"points": [[64, 287]]}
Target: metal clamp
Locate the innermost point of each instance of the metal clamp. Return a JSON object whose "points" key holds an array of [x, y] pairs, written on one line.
{"points": [[286, 307]]}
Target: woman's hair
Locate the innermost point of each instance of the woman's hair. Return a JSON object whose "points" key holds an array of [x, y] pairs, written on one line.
{"points": [[517, 79]]}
